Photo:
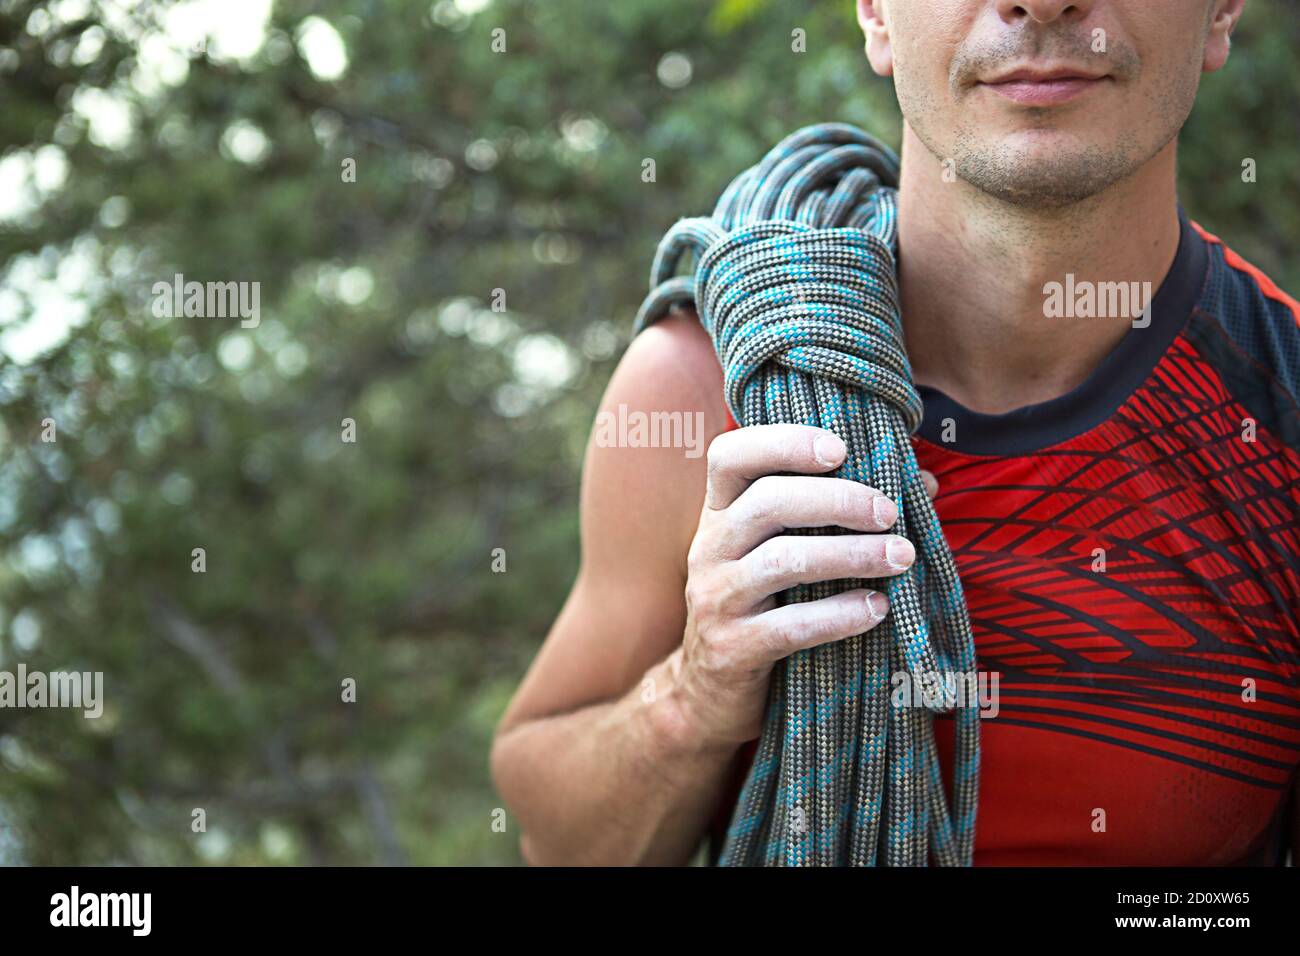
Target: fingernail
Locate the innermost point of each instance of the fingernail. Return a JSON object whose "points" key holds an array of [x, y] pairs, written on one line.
{"points": [[883, 509], [899, 553], [829, 449], [879, 605]]}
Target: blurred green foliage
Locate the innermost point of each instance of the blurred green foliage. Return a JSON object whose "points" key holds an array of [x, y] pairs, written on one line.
{"points": [[209, 138]]}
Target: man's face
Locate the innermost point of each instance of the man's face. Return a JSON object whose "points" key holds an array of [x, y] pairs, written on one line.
{"points": [[1044, 102]]}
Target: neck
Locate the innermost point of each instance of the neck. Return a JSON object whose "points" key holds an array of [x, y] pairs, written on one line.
{"points": [[973, 270]]}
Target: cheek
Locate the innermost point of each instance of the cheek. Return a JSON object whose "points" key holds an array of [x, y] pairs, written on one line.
{"points": [[1169, 36], [925, 40], [1172, 54], [933, 40]]}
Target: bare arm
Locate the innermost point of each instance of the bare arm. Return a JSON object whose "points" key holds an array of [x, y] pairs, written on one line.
{"points": [[591, 765], [617, 746]]}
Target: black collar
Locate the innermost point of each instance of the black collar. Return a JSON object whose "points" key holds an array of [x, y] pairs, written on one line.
{"points": [[1120, 373]]}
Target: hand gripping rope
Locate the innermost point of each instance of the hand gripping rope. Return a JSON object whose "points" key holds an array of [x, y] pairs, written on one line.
{"points": [[795, 282]]}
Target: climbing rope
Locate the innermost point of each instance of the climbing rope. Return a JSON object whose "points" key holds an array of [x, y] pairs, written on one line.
{"points": [[795, 282]]}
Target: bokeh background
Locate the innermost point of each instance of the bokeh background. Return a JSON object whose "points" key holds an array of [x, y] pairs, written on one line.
{"points": [[209, 138]]}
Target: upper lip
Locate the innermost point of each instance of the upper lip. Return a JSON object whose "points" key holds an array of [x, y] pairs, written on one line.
{"points": [[1044, 75]]}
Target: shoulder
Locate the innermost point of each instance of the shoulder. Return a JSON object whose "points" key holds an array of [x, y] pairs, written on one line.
{"points": [[646, 465], [1254, 330], [1254, 311], [672, 365]]}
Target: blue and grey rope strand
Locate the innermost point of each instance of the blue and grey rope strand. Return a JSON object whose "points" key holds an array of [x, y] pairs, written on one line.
{"points": [[795, 281]]}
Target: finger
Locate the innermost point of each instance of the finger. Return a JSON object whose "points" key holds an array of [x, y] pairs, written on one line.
{"points": [[737, 458], [777, 503], [794, 627], [931, 483], [783, 562]]}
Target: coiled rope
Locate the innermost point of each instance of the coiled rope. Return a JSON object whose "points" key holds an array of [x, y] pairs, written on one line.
{"points": [[795, 282]]}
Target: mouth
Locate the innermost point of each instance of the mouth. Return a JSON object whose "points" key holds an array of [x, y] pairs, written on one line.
{"points": [[1044, 87]]}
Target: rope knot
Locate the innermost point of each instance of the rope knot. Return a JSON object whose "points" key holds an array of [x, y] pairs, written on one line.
{"points": [[823, 302]]}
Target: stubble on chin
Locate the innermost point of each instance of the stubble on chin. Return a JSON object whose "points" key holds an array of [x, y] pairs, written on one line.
{"points": [[1051, 178]]}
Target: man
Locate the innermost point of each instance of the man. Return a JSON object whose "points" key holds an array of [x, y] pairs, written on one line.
{"points": [[1120, 485]]}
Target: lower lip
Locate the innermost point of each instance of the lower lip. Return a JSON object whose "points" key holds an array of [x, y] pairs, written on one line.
{"points": [[1045, 92]]}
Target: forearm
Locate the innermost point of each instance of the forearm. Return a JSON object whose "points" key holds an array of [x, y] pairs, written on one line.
{"points": [[621, 783]]}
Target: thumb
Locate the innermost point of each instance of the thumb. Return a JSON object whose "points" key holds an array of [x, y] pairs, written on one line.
{"points": [[931, 484]]}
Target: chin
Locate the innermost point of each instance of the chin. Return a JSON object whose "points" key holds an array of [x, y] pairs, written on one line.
{"points": [[1040, 168], [1048, 183]]}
